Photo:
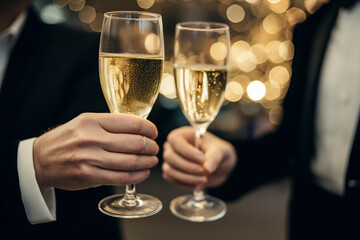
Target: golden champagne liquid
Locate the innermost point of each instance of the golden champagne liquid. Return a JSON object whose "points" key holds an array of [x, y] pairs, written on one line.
{"points": [[200, 91], [130, 83]]}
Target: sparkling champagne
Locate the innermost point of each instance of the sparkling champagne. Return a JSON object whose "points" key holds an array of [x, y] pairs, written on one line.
{"points": [[130, 82], [200, 90]]}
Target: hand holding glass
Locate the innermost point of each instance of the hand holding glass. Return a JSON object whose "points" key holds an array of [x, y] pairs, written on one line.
{"points": [[131, 57], [201, 63]]}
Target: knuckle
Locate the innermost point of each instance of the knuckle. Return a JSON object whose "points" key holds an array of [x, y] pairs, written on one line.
{"points": [[76, 157], [171, 136], [133, 162], [81, 140], [84, 118], [156, 161], [85, 139], [136, 125], [123, 179], [85, 172], [81, 160], [157, 149], [165, 176], [153, 161], [137, 144], [166, 155], [165, 168], [82, 174]]}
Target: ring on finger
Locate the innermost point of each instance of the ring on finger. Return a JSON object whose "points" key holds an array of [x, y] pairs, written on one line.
{"points": [[144, 145]]}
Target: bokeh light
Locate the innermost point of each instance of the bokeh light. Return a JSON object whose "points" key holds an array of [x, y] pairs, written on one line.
{"points": [[273, 90], [152, 43], [275, 115], [76, 5], [167, 87], [218, 51], [61, 3], [256, 90], [52, 15], [235, 13], [273, 23], [261, 50], [87, 14], [286, 50], [279, 74], [278, 6], [145, 4], [96, 25], [234, 91], [295, 15]]}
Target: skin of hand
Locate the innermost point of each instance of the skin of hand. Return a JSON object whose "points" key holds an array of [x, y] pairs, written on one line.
{"points": [[96, 149], [186, 167]]}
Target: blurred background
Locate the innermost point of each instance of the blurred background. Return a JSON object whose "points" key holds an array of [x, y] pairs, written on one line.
{"points": [[261, 57]]}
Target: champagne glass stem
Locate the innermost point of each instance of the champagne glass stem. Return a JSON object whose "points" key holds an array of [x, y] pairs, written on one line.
{"points": [[199, 190], [198, 194], [129, 199]]}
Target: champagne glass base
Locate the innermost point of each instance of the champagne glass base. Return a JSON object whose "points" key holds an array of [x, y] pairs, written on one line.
{"points": [[209, 209], [143, 206]]}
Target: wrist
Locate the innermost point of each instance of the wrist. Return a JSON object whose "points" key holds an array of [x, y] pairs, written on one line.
{"points": [[37, 166]]}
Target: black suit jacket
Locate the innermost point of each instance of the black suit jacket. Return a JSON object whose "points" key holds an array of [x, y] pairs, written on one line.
{"points": [[52, 76], [291, 148]]}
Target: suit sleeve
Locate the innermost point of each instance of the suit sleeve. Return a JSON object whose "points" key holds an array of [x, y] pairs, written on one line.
{"points": [[259, 161]]}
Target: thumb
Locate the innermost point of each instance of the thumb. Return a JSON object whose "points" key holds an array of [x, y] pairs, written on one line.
{"points": [[212, 161]]}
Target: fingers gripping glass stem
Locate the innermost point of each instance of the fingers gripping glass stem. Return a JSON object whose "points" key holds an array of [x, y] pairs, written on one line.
{"points": [[127, 69], [200, 85]]}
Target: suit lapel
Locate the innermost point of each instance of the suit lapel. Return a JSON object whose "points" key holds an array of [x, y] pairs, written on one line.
{"points": [[21, 70], [321, 33]]}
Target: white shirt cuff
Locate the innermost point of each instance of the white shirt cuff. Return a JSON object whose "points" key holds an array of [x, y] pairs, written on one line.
{"points": [[40, 207]]}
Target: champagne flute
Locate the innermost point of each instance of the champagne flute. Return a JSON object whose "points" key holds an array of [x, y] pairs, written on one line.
{"points": [[131, 57], [201, 63]]}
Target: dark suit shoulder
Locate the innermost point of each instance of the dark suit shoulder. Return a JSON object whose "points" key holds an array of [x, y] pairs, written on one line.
{"points": [[60, 38], [63, 34], [67, 41]]}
